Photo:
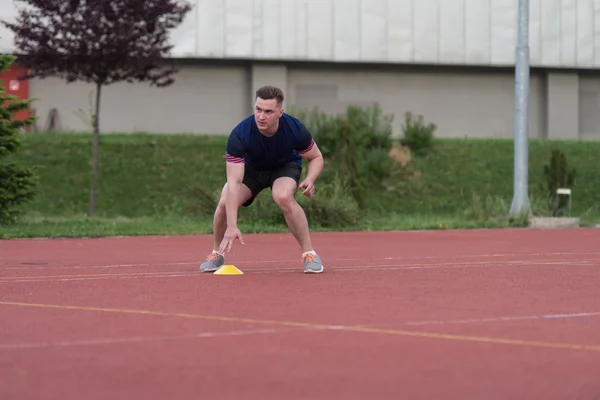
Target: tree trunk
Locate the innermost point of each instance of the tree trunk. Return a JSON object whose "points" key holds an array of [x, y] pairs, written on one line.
{"points": [[95, 151]]}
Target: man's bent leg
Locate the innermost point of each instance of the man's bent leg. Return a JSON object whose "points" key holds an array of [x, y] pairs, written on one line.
{"points": [[284, 190], [215, 260], [283, 194]]}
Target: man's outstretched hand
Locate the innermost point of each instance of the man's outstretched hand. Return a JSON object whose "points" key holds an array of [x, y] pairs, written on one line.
{"points": [[230, 235], [309, 188]]}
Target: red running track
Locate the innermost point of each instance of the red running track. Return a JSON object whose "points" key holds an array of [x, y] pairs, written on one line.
{"points": [[491, 314]]}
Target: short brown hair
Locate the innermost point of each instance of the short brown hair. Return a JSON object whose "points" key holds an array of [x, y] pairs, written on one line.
{"points": [[270, 92]]}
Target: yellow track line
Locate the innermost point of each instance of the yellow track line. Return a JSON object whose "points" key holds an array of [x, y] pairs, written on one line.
{"points": [[397, 332]]}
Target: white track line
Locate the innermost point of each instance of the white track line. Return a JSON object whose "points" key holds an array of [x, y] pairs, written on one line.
{"points": [[502, 319], [499, 264], [242, 262], [361, 268], [140, 339], [93, 278]]}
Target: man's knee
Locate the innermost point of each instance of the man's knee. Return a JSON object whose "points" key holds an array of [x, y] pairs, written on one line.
{"points": [[284, 190], [284, 199]]}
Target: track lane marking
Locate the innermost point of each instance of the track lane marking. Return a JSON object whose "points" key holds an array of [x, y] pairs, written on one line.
{"points": [[340, 268], [139, 339], [345, 328]]}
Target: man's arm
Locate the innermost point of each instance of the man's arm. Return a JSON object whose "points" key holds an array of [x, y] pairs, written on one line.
{"points": [[315, 161], [234, 157], [235, 174], [309, 150]]}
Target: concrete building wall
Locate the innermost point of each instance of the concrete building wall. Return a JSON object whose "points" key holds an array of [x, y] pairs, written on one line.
{"points": [[563, 105], [461, 103], [563, 33], [203, 99], [213, 97], [589, 105]]}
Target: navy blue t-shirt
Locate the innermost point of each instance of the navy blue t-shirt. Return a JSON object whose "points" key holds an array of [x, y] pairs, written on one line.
{"points": [[247, 144]]}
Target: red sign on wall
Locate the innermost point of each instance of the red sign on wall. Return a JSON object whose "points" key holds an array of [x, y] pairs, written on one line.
{"points": [[13, 86], [16, 87]]}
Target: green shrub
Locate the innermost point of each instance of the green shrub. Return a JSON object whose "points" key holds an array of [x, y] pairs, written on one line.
{"points": [[332, 207], [374, 129], [557, 175], [376, 166], [348, 158], [322, 127], [483, 208], [16, 184], [355, 145], [418, 136]]}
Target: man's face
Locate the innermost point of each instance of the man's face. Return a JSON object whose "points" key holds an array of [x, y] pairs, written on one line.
{"points": [[267, 114]]}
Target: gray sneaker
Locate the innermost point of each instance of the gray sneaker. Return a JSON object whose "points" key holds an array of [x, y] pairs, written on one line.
{"points": [[312, 264], [212, 263]]}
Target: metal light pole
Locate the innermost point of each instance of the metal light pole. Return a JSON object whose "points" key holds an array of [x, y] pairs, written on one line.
{"points": [[520, 203]]}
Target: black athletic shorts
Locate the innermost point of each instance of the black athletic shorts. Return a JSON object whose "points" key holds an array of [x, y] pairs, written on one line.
{"points": [[258, 180]]}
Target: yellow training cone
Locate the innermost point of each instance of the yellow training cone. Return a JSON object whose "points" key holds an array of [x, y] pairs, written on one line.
{"points": [[228, 269]]}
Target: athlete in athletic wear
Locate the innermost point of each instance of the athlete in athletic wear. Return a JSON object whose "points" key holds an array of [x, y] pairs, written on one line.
{"points": [[266, 150]]}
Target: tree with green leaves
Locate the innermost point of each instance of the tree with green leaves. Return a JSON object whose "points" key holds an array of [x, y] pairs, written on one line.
{"points": [[16, 183], [99, 42]]}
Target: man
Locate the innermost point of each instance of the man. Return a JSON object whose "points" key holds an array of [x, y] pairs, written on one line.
{"points": [[266, 150]]}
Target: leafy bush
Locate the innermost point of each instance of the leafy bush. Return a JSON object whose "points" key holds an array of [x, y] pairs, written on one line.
{"points": [[418, 136], [348, 159], [332, 207], [16, 184], [356, 146], [557, 175]]}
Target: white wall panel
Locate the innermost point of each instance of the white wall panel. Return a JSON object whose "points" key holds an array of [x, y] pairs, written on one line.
{"points": [[503, 30], [535, 29], [347, 30], [563, 33], [551, 32], [8, 12], [452, 31], [210, 25], [374, 42], [239, 28], [400, 30], [585, 33], [184, 38], [596, 30], [320, 29], [288, 27], [301, 29], [477, 33], [257, 28], [271, 28], [426, 31], [568, 32]]}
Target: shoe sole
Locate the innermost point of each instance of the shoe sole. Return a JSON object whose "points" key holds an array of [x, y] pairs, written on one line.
{"points": [[209, 269], [306, 271], [311, 271]]}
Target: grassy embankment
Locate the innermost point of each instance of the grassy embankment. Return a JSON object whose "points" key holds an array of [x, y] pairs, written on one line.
{"points": [[159, 184]]}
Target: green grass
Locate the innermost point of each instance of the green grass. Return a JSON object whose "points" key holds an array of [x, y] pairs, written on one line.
{"points": [[459, 169], [168, 184], [140, 175], [82, 226]]}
